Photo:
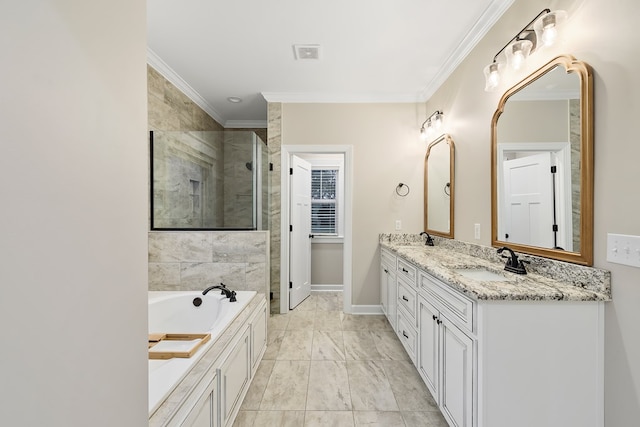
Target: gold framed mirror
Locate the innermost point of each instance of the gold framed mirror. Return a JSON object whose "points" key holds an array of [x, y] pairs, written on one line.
{"points": [[439, 188], [542, 164]]}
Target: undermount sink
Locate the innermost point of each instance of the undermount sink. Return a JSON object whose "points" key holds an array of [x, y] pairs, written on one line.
{"points": [[481, 274]]}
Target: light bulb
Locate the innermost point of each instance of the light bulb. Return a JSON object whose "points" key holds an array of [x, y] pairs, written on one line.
{"points": [[546, 27], [492, 76], [549, 35], [437, 122], [518, 52], [517, 60]]}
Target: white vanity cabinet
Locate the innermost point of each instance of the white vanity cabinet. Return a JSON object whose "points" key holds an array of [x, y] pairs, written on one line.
{"points": [[446, 349], [388, 287], [503, 362]]}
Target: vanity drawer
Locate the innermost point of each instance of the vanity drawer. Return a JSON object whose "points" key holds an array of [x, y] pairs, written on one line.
{"points": [[456, 306], [407, 271], [407, 335], [388, 259], [408, 299]]}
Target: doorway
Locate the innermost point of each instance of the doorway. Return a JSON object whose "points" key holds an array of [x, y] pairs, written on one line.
{"points": [[288, 152]]}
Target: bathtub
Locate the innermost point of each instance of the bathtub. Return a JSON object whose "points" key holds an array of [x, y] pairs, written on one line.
{"points": [[175, 312]]}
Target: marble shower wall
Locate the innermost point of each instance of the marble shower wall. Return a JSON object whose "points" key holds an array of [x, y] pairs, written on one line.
{"points": [[192, 260], [195, 260], [274, 143], [238, 179]]}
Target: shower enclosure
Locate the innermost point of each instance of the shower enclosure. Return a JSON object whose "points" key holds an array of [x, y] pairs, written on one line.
{"points": [[208, 180]]}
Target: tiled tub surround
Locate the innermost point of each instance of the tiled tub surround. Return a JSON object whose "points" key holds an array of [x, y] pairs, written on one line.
{"points": [[183, 401], [525, 351], [188, 261], [546, 279]]}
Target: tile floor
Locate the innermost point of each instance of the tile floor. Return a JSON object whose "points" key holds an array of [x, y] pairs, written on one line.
{"points": [[326, 368]]}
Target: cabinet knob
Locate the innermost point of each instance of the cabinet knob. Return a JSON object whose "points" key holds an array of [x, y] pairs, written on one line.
{"points": [[438, 321], [435, 317], [405, 298], [405, 334], [386, 271], [405, 270]]}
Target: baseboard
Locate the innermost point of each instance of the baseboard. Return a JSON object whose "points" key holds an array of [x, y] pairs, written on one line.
{"points": [[366, 309], [326, 288]]}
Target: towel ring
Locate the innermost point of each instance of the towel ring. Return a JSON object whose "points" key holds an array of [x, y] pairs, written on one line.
{"points": [[399, 190]]}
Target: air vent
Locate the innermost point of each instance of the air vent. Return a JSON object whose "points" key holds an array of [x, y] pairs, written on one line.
{"points": [[306, 51]]}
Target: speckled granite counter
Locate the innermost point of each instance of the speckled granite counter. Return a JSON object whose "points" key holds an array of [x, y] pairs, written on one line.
{"points": [[545, 279]]}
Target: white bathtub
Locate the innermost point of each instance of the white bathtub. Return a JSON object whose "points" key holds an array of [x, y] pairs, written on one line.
{"points": [[175, 312]]}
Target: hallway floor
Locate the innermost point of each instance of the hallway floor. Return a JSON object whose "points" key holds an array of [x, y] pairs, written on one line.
{"points": [[326, 368]]}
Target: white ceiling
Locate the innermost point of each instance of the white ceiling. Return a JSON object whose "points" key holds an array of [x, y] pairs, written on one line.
{"points": [[370, 50]]}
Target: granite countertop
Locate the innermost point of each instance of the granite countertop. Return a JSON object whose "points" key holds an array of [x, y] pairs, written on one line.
{"points": [[441, 262]]}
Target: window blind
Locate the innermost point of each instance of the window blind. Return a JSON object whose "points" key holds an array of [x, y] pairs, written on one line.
{"points": [[323, 201]]}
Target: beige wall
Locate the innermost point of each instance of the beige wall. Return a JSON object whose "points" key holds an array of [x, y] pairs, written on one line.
{"points": [[521, 122], [387, 150], [73, 180], [326, 263], [603, 34]]}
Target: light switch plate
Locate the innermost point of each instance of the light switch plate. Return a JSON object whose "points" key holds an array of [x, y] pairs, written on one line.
{"points": [[398, 224], [623, 249]]}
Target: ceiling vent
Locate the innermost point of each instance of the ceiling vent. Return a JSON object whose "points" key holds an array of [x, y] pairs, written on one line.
{"points": [[306, 51]]}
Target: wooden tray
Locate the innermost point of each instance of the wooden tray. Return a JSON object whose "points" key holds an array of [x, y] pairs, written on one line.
{"points": [[154, 339]]}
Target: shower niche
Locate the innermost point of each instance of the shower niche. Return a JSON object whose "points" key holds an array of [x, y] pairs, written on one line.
{"points": [[208, 180]]}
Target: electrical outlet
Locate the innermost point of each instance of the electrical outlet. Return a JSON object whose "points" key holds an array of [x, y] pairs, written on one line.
{"points": [[398, 225], [623, 249], [476, 231]]}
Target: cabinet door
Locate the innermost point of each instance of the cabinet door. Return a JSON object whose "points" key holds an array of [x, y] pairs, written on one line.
{"points": [[428, 346], [384, 278], [456, 395], [203, 417], [204, 413], [258, 337], [234, 379]]}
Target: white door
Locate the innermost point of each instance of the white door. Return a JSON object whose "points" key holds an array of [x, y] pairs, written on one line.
{"points": [[300, 240], [528, 204]]}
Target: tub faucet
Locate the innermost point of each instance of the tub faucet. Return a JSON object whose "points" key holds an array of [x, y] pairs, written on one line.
{"points": [[514, 265], [429, 241], [224, 291]]}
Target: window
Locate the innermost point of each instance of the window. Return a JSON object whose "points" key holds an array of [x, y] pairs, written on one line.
{"points": [[324, 201]]}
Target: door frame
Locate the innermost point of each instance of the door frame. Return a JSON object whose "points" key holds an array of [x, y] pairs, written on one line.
{"points": [[285, 201]]}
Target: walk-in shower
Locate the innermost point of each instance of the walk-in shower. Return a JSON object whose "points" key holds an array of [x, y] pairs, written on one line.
{"points": [[208, 180]]}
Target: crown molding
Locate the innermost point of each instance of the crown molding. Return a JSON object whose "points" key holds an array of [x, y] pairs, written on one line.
{"points": [[168, 73], [245, 124], [488, 18], [340, 98]]}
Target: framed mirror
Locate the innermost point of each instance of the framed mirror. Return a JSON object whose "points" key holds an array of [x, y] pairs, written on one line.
{"points": [[542, 164], [439, 187]]}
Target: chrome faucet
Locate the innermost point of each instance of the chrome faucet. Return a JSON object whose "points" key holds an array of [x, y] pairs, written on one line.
{"points": [[429, 241], [224, 291], [513, 265]]}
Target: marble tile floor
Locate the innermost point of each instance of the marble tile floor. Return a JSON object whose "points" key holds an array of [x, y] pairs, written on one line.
{"points": [[326, 368]]}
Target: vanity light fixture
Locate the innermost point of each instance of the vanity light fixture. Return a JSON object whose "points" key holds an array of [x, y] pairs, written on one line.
{"points": [[433, 124], [541, 31]]}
